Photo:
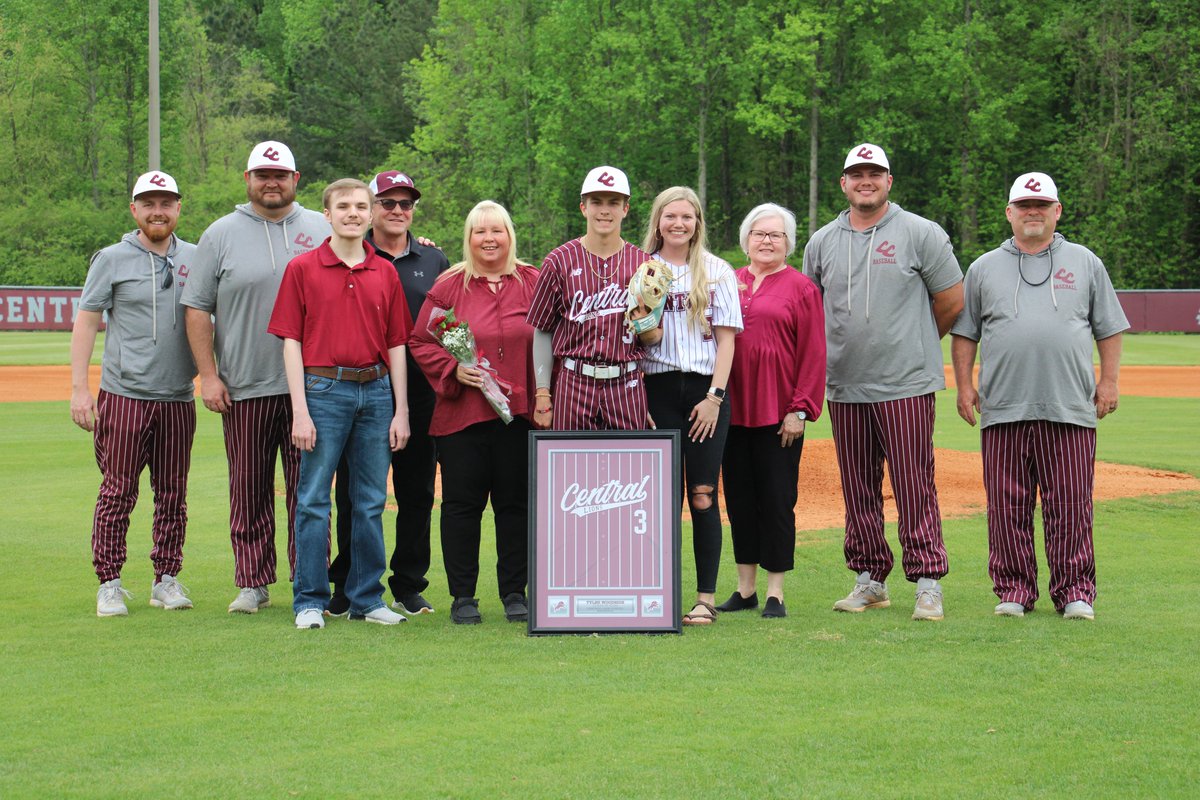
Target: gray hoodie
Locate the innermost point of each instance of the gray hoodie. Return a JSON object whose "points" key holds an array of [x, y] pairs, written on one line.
{"points": [[881, 336], [1035, 317], [239, 265], [146, 354]]}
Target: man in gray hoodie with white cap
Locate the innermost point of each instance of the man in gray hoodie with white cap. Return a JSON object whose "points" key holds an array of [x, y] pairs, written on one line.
{"points": [[240, 261], [145, 413], [892, 288], [1034, 305]]}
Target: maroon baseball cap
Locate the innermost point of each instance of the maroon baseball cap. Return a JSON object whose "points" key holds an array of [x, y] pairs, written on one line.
{"points": [[393, 179]]}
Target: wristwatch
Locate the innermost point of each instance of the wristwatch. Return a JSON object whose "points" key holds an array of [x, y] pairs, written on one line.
{"points": [[717, 393], [800, 415]]}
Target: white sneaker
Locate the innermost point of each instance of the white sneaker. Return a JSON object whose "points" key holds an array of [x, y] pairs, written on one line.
{"points": [[1078, 609], [310, 618], [866, 594], [929, 600], [110, 600], [250, 600], [170, 594], [1010, 610], [381, 616]]}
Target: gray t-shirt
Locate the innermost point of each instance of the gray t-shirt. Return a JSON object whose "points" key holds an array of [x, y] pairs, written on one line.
{"points": [[1035, 356], [146, 353], [239, 264], [881, 336]]}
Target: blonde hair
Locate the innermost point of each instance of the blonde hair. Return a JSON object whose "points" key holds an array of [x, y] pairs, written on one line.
{"points": [[483, 210], [698, 296], [342, 186]]}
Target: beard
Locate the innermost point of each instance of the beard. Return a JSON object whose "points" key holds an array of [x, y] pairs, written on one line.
{"points": [[285, 197], [157, 231]]}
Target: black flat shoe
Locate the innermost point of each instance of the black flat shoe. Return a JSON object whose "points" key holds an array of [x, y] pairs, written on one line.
{"points": [[465, 611], [515, 609], [738, 603], [774, 609]]}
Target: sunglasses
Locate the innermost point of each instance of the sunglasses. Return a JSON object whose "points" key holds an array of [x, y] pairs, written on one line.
{"points": [[389, 204], [168, 275]]}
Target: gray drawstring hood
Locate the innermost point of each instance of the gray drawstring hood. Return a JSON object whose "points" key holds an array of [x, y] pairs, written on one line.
{"points": [[845, 229], [154, 259], [1010, 246], [240, 261]]}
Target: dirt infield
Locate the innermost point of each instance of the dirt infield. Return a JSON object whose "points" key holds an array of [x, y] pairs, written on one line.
{"points": [[959, 474]]}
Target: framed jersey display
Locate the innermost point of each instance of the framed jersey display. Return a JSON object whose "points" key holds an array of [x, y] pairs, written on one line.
{"points": [[604, 532]]}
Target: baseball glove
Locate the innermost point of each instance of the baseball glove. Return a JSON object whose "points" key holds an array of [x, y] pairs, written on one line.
{"points": [[648, 287]]}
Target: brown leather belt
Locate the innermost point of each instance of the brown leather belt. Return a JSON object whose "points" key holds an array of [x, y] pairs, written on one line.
{"points": [[364, 375]]}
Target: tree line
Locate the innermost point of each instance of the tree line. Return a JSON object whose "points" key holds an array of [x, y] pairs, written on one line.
{"points": [[514, 100]]}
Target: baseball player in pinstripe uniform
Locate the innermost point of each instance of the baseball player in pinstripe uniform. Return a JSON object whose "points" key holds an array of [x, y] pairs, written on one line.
{"points": [[1034, 306], [892, 288], [578, 312], [145, 415]]}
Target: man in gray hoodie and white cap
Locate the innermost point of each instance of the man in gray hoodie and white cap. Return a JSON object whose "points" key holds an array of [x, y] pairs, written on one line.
{"points": [[892, 288], [145, 413], [1034, 305], [240, 261]]}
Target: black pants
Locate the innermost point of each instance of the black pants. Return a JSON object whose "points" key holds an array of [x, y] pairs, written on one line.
{"points": [[672, 396], [487, 459], [760, 491], [413, 472]]}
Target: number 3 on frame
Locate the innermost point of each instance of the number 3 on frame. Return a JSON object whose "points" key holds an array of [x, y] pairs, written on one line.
{"points": [[639, 522]]}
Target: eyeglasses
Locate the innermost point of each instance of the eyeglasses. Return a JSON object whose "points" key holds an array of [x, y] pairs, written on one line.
{"points": [[169, 274], [389, 204], [775, 236]]}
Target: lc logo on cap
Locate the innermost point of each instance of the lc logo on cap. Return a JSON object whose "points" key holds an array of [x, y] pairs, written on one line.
{"points": [[271, 155], [1033, 186], [605, 179], [866, 153], [157, 181]]}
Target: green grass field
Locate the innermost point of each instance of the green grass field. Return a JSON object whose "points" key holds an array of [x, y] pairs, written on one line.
{"points": [[202, 704]]}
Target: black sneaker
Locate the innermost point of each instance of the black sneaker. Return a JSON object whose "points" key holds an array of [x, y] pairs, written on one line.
{"points": [[465, 611], [738, 603], [515, 609], [412, 604], [339, 605], [774, 609]]}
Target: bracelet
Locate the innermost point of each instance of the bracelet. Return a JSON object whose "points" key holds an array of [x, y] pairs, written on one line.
{"points": [[541, 392], [714, 398], [546, 410]]}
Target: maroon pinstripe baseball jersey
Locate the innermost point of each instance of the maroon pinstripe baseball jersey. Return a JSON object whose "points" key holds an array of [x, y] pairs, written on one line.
{"points": [[581, 300]]}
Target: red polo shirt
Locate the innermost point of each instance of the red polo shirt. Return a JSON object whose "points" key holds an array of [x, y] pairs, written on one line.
{"points": [[342, 316]]}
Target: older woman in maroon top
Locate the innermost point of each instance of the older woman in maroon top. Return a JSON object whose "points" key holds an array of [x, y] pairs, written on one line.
{"points": [[777, 384], [481, 456]]}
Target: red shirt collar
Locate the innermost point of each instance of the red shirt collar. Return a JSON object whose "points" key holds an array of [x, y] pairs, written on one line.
{"points": [[327, 258]]}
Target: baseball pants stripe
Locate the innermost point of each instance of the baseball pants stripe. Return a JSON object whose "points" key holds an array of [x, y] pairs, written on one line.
{"points": [[1019, 459], [900, 432], [255, 431], [131, 435], [587, 404]]}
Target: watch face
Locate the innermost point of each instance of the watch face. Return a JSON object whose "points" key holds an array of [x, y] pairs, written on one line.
{"points": [[717, 392]]}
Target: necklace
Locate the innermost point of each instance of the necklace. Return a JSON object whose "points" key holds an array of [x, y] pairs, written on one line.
{"points": [[604, 264]]}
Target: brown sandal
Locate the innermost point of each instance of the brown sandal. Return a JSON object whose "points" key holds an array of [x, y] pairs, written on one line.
{"points": [[692, 618]]}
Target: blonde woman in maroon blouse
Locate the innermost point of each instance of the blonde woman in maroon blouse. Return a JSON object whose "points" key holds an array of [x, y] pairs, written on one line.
{"points": [[777, 383], [482, 457]]}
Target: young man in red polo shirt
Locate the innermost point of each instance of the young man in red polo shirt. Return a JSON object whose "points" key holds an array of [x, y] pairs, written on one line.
{"points": [[344, 323]]}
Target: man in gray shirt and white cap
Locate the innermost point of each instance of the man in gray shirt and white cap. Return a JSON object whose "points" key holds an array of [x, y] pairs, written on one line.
{"points": [[892, 288], [240, 261], [1033, 306], [145, 414]]}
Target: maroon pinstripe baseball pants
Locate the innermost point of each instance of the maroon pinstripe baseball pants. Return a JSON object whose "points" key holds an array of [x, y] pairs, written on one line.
{"points": [[255, 430], [130, 436], [900, 431], [590, 404], [1059, 460]]}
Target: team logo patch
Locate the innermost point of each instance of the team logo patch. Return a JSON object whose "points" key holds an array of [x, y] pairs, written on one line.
{"points": [[865, 152], [271, 153], [887, 253], [1064, 280], [558, 606], [606, 179], [158, 180], [304, 240], [1033, 185]]}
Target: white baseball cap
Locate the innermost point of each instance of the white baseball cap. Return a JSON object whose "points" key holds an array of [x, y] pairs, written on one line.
{"points": [[866, 153], [271, 155], [605, 179], [1033, 186], [157, 181]]}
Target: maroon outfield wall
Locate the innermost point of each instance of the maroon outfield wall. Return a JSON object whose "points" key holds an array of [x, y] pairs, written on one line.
{"points": [[38, 308], [52, 308], [1166, 310]]}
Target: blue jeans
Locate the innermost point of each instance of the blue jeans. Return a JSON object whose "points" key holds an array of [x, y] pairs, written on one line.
{"points": [[350, 418]]}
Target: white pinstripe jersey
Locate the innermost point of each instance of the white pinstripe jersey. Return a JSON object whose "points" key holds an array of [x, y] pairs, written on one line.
{"points": [[581, 300], [685, 346]]}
